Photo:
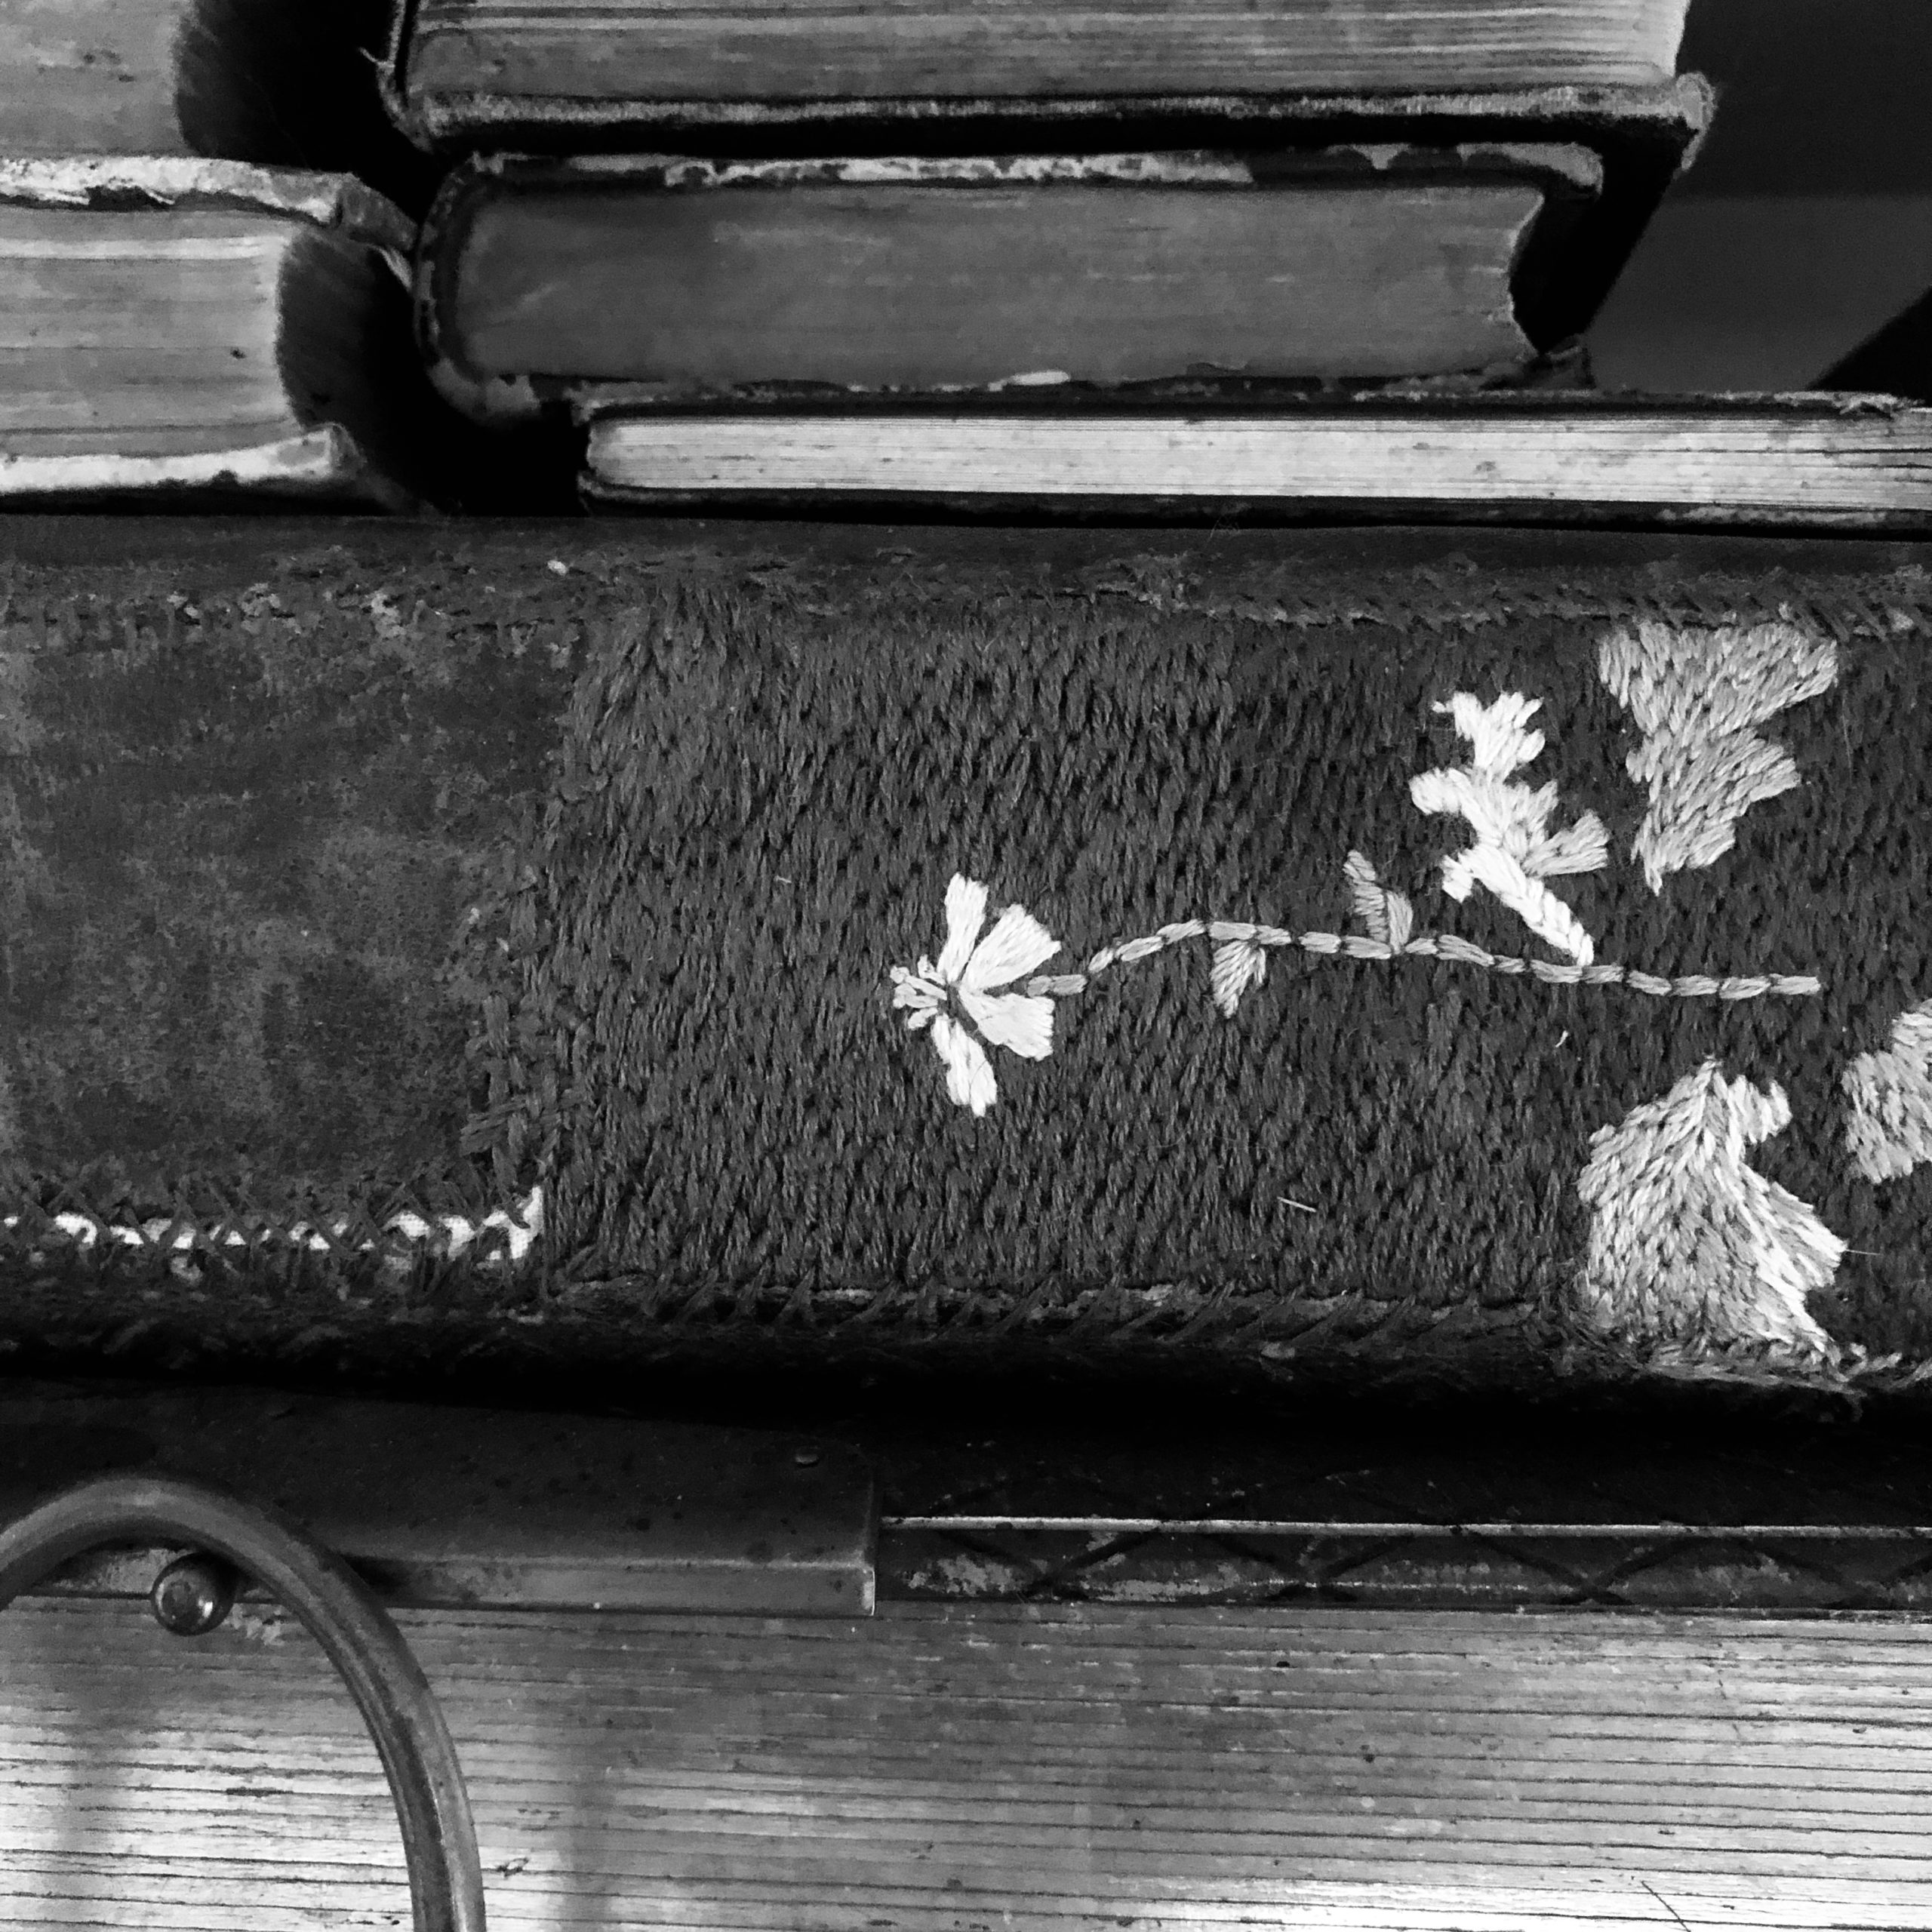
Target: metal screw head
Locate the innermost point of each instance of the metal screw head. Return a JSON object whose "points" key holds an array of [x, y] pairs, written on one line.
{"points": [[193, 1594]]}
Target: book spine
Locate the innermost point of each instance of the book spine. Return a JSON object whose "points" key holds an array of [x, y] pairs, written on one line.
{"points": [[1676, 111], [189, 181], [393, 911], [1568, 180], [494, 401], [392, 79]]}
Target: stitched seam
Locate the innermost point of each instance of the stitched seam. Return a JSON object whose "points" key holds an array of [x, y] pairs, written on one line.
{"points": [[450, 1236]]}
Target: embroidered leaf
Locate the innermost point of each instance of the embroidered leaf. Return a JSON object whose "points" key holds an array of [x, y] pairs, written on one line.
{"points": [[1888, 1100], [1239, 964], [1017, 943], [1581, 848], [1384, 915], [1697, 695], [1021, 1024], [1688, 1243]]}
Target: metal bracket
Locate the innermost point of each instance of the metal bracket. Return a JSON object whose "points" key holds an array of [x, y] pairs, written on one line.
{"points": [[461, 1508], [336, 1608]]}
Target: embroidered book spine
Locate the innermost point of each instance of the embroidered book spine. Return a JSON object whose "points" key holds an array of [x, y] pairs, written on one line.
{"points": [[1298, 952]]}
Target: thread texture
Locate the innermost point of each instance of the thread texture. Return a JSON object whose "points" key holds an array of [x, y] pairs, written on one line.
{"points": [[1515, 850], [1690, 1246], [363, 902], [1013, 952], [1888, 1100], [1696, 695]]}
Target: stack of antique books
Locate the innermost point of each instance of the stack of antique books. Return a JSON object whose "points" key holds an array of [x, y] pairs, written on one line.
{"points": [[199, 298], [1138, 256]]}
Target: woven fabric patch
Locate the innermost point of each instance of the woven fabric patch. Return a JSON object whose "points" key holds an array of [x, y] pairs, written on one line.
{"points": [[1029, 947]]}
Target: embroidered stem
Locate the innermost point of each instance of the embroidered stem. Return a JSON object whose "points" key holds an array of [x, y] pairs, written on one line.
{"points": [[1429, 946], [983, 993]]}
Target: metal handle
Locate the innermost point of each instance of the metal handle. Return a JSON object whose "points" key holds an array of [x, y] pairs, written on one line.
{"points": [[338, 1610]]}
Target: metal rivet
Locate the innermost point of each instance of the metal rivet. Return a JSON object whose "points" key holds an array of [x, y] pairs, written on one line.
{"points": [[192, 1596], [805, 1457]]}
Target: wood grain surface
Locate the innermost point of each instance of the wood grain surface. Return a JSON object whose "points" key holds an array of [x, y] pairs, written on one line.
{"points": [[962, 1768]]}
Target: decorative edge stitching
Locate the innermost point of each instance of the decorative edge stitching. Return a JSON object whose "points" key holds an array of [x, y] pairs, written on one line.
{"points": [[448, 1236]]}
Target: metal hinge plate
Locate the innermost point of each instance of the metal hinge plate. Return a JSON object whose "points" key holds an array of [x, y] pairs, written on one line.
{"points": [[464, 1507]]}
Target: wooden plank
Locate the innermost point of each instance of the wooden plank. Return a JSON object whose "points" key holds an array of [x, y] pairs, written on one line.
{"points": [[948, 1768]]}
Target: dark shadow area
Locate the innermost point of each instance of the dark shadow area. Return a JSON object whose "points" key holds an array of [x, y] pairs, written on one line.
{"points": [[1079, 1440], [1804, 223]]}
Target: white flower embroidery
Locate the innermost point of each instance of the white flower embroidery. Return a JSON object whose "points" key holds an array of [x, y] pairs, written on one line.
{"points": [[1698, 696], [1515, 850], [970, 970]]}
